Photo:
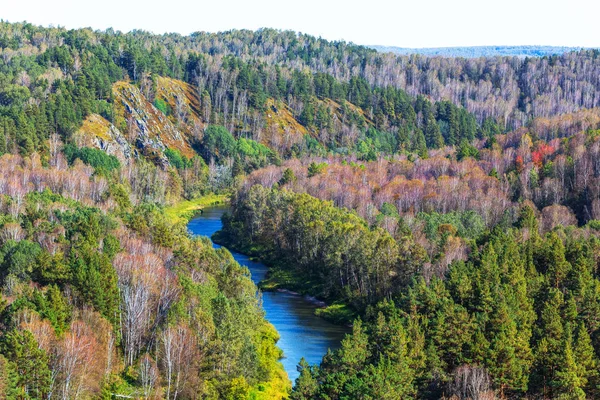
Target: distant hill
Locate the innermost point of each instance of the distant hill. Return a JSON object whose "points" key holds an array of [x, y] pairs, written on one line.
{"points": [[480, 51]]}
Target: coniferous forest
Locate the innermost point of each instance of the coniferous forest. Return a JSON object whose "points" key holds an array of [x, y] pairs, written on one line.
{"points": [[446, 208]]}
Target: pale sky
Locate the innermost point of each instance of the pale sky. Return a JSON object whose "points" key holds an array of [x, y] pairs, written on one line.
{"points": [[402, 23]]}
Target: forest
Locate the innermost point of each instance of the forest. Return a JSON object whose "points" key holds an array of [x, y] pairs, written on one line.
{"points": [[101, 294], [466, 284], [447, 208]]}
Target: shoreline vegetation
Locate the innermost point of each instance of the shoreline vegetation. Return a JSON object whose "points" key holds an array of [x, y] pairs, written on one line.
{"points": [[185, 210], [279, 279], [279, 384]]}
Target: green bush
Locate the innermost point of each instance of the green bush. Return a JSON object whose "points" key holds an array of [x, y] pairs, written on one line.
{"points": [[93, 157], [177, 159], [218, 143], [162, 106]]}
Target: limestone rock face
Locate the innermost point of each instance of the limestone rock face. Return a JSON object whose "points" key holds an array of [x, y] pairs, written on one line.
{"points": [[184, 103], [140, 129], [97, 132], [149, 130]]}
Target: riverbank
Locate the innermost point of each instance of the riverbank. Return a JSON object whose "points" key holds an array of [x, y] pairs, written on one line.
{"points": [[279, 384], [302, 334], [279, 279], [185, 210], [282, 279]]}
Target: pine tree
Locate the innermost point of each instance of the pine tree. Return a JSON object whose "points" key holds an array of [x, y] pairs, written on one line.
{"points": [[402, 138], [419, 144], [354, 352], [2, 139], [487, 280], [307, 116], [554, 263], [388, 380], [96, 279], [479, 348], [586, 360], [550, 339], [31, 363], [8, 380], [416, 346], [507, 369], [567, 383], [580, 279], [433, 136], [288, 177], [306, 384], [528, 220]]}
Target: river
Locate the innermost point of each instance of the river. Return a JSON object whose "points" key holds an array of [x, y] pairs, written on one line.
{"points": [[302, 334]]}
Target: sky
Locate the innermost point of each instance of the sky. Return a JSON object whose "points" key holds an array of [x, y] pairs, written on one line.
{"points": [[414, 23]]}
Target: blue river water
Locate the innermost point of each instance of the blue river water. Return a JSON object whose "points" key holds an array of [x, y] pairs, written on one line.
{"points": [[302, 334]]}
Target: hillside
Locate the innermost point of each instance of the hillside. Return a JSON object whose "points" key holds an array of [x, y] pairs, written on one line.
{"points": [[447, 208], [279, 64], [475, 267]]}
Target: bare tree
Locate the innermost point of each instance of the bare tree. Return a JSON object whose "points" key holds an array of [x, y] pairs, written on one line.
{"points": [[471, 383], [12, 231], [75, 354], [148, 375], [178, 357], [181, 109]]}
